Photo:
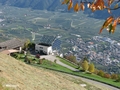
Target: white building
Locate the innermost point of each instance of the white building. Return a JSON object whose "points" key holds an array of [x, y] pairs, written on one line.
{"points": [[43, 48], [48, 44]]}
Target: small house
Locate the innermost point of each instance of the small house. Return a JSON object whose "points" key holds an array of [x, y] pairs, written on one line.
{"points": [[14, 43]]}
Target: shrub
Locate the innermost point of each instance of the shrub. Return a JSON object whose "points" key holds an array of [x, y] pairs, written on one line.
{"points": [[114, 76], [118, 80], [101, 73], [96, 71], [71, 58], [106, 75], [40, 61], [43, 58], [18, 56], [37, 56], [55, 61], [14, 55], [28, 60]]}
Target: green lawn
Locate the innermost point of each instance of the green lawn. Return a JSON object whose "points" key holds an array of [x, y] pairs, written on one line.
{"points": [[51, 65]]}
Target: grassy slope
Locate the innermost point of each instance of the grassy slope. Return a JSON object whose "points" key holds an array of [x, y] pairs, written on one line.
{"points": [[29, 78], [49, 65], [67, 62]]}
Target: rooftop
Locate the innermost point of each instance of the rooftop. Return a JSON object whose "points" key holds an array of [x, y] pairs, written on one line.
{"points": [[11, 44], [47, 40]]}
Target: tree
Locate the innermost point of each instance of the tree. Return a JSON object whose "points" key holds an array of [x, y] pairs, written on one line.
{"points": [[85, 58], [81, 61], [101, 73], [91, 68], [85, 65], [106, 75], [26, 44], [109, 5], [114, 76], [71, 58]]}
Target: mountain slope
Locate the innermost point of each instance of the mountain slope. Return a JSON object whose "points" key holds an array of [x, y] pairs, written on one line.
{"points": [[34, 4], [24, 77], [54, 5]]}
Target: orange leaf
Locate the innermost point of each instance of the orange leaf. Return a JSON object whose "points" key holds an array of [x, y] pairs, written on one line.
{"points": [[119, 21], [76, 7], [99, 4], [70, 5], [110, 2], [93, 7], [65, 2], [106, 23], [114, 25], [82, 7]]}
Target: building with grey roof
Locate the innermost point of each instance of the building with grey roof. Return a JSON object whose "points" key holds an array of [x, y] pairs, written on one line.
{"points": [[48, 44], [11, 44]]}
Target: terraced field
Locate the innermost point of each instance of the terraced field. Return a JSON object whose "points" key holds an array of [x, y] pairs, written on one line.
{"points": [[20, 22]]}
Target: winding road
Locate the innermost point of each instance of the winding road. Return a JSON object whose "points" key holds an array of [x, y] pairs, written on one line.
{"points": [[52, 58], [91, 82]]}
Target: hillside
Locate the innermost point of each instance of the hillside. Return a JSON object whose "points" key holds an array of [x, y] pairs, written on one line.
{"points": [[34, 4], [53, 5], [16, 74]]}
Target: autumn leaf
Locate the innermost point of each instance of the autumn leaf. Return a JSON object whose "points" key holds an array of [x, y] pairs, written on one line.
{"points": [[119, 20], [93, 7], [82, 7], [110, 2], [99, 4], [106, 23], [116, 6], [70, 5], [114, 25], [76, 7], [65, 2]]}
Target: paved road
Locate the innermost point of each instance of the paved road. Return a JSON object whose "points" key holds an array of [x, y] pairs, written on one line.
{"points": [[98, 84], [52, 58], [92, 82]]}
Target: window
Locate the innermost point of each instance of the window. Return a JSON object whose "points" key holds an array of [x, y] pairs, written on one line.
{"points": [[41, 47]]}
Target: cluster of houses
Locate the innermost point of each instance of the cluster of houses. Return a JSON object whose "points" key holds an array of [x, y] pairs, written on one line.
{"points": [[101, 50]]}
